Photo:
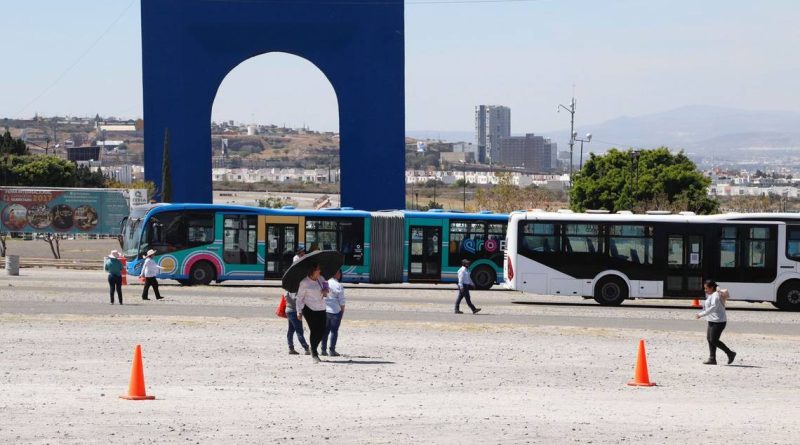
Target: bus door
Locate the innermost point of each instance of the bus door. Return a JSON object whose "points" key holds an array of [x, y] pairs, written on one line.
{"points": [[425, 253], [281, 247], [685, 259]]}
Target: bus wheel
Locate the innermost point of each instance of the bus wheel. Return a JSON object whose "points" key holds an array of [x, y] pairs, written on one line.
{"points": [[789, 296], [201, 273], [610, 291], [484, 277]]}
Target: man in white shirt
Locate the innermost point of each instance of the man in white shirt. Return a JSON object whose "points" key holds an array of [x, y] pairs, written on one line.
{"points": [[464, 283], [334, 311]]}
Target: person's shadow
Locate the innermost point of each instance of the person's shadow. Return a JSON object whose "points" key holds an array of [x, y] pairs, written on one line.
{"points": [[359, 360], [744, 366]]}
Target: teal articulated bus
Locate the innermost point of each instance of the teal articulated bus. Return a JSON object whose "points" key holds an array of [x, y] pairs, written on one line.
{"points": [[201, 243]]}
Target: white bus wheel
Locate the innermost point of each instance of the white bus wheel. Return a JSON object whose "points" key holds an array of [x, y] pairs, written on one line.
{"points": [[788, 298], [610, 291]]}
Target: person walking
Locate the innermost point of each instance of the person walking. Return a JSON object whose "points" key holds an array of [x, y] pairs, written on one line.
{"points": [[714, 311], [149, 271], [334, 311], [464, 283], [295, 324], [311, 304], [113, 266]]}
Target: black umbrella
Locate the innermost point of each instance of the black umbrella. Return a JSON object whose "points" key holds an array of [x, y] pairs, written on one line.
{"points": [[329, 262]]}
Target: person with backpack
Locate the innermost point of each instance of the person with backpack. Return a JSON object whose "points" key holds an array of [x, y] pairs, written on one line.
{"points": [[113, 266], [714, 311]]}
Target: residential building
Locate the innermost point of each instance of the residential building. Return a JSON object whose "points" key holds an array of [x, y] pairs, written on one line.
{"points": [[492, 123]]}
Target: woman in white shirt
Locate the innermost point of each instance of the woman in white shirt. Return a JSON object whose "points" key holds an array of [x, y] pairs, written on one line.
{"points": [[714, 311], [334, 308], [311, 304], [149, 271]]}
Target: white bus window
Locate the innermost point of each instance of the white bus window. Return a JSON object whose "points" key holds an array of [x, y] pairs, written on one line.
{"points": [[756, 247], [582, 238], [632, 243], [793, 243], [540, 238], [728, 248], [675, 251]]}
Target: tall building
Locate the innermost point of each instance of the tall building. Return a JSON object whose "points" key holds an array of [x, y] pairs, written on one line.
{"points": [[531, 152], [492, 123]]}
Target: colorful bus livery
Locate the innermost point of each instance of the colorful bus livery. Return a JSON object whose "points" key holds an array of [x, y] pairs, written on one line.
{"points": [[201, 243], [478, 237]]}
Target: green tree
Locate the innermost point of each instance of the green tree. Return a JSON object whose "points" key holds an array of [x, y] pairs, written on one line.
{"points": [[641, 180], [85, 177], [9, 145], [42, 171], [166, 176]]}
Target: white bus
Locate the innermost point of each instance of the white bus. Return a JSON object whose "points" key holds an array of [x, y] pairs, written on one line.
{"points": [[614, 257]]}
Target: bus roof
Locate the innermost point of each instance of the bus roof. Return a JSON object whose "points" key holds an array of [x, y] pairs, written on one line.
{"points": [[435, 214], [328, 212], [686, 217], [331, 212]]}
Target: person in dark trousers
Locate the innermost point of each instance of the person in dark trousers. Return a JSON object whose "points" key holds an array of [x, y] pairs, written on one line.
{"points": [[295, 324], [714, 311], [334, 308], [113, 266], [149, 271], [311, 304], [464, 283]]}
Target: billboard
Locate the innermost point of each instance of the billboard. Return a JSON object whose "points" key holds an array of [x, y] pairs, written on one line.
{"points": [[28, 210]]}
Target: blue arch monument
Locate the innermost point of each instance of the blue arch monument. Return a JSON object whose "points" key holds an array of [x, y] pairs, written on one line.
{"points": [[189, 46]]}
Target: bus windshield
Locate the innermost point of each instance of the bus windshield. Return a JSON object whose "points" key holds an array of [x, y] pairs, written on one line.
{"points": [[130, 237]]}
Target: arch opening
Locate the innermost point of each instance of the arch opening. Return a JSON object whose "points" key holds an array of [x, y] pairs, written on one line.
{"points": [[275, 129]]}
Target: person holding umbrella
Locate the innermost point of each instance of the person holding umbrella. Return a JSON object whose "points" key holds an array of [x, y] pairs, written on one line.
{"points": [[311, 303], [308, 278]]}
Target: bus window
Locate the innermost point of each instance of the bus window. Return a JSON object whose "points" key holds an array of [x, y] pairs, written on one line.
{"points": [[540, 238], [793, 243], [343, 234], [321, 235], [201, 229], [632, 243], [171, 231], [474, 240], [728, 248], [582, 238], [756, 247], [239, 239]]}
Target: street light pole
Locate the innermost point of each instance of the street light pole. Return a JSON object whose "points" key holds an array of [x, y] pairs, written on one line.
{"points": [[587, 140]]}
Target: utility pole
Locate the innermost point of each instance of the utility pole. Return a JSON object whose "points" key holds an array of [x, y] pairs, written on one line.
{"points": [[571, 111], [465, 185]]}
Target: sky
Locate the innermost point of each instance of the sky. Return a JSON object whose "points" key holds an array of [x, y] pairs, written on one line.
{"points": [[619, 57]]}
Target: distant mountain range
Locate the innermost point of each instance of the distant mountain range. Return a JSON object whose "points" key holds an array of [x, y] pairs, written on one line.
{"points": [[699, 129]]}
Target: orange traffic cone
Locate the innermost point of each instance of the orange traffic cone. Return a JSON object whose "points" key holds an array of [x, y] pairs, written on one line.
{"points": [[641, 376], [124, 271], [696, 303], [136, 387]]}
